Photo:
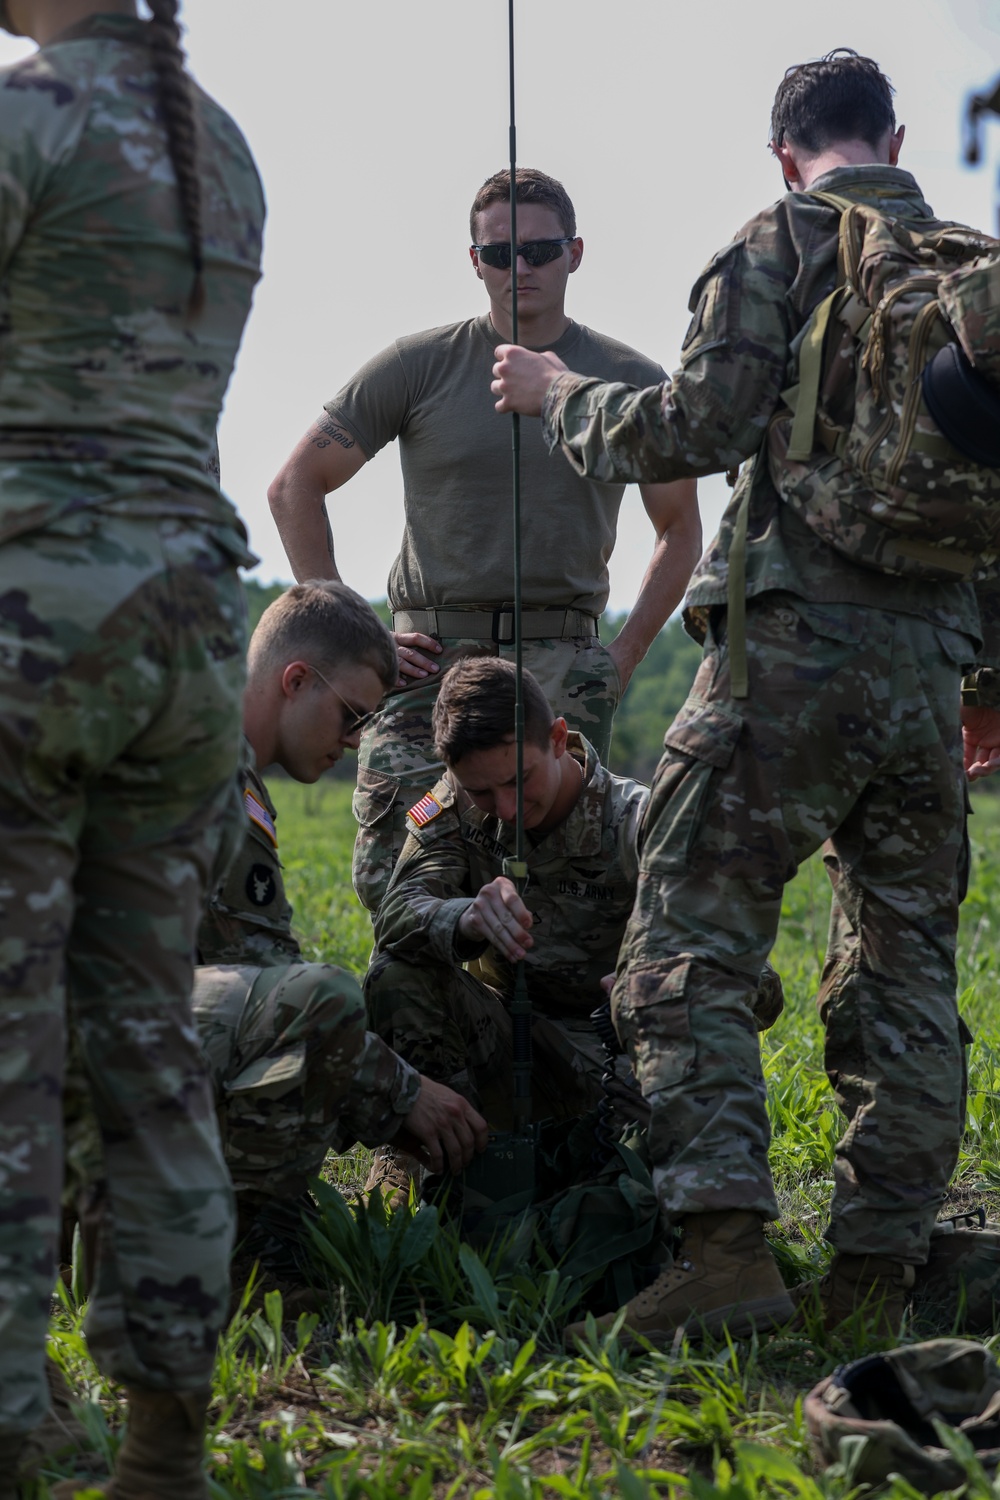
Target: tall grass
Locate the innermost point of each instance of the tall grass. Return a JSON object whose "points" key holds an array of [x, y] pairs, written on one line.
{"points": [[433, 1370]]}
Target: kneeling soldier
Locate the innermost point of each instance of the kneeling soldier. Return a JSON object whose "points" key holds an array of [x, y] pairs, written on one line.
{"points": [[296, 1073], [449, 904]]}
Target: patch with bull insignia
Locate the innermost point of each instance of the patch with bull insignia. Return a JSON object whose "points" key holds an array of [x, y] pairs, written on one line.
{"points": [[261, 886]]}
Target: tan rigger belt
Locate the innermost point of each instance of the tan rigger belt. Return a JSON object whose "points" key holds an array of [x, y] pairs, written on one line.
{"points": [[496, 624]]}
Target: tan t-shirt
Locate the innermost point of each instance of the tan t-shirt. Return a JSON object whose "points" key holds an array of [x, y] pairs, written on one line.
{"points": [[432, 391]]}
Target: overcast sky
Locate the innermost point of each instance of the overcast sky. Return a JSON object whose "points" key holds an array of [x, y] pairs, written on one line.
{"points": [[374, 124]]}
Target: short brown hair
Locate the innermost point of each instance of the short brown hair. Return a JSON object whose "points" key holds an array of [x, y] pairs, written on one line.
{"points": [[840, 97], [532, 187], [326, 624], [475, 708]]}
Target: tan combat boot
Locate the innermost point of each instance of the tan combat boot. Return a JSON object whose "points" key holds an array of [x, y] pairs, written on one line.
{"points": [[163, 1452], [724, 1277], [871, 1288], [391, 1172]]}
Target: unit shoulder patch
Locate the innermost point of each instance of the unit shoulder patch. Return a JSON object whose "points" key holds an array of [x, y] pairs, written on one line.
{"points": [[258, 814], [261, 887], [425, 811]]}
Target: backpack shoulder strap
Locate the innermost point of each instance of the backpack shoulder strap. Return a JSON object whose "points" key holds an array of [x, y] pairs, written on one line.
{"points": [[834, 200], [802, 438], [736, 597], [802, 435], [736, 580], [801, 443]]}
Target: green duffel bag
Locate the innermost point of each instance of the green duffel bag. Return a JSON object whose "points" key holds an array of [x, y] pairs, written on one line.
{"points": [[958, 1290], [599, 1222], [888, 1414]]}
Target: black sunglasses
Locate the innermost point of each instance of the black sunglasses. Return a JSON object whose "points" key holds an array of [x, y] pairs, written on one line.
{"points": [[534, 252]]}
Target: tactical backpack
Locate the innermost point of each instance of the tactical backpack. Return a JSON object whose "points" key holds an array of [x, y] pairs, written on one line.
{"points": [[854, 448], [889, 1414], [911, 328], [958, 1289]]}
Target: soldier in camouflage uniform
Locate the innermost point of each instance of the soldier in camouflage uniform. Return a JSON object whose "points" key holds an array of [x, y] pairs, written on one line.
{"points": [[295, 1072], [451, 586], [124, 294], [850, 738], [449, 903]]}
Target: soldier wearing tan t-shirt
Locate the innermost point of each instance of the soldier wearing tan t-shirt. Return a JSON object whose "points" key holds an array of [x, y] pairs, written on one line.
{"points": [[451, 586]]}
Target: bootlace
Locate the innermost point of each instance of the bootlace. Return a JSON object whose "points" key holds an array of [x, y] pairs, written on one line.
{"points": [[668, 1281]]}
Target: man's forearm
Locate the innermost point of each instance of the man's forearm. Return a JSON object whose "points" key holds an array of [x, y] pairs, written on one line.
{"points": [[416, 923], [660, 593], [323, 460], [304, 528]]}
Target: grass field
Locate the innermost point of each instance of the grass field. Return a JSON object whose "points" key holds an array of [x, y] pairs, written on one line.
{"points": [[476, 1398]]}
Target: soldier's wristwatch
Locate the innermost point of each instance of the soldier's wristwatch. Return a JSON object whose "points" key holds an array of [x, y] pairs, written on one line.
{"points": [[981, 689]]}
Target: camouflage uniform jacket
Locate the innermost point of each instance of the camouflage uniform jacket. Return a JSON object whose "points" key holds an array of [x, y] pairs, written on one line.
{"points": [[581, 885], [249, 922], [94, 265], [752, 299], [249, 919]]}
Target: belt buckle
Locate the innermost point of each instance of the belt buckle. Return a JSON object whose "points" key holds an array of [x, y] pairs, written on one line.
{"points": [[498, 616]]}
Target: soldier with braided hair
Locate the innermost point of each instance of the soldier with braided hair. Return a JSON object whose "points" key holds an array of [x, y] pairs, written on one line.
{"points": [[124, 289], [176, 107]]}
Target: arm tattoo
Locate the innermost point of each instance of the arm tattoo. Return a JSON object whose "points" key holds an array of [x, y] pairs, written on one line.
{"points": [[328, 432]]}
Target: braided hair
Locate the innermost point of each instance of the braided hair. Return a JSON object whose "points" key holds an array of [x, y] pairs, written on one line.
{"points": [[182, 134]]}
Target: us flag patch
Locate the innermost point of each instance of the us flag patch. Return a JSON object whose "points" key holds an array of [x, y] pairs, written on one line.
{"points": [[425, 811], [258, 813]]}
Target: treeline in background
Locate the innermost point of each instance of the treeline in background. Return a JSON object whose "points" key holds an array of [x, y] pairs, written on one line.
{"points": [[654, 695]]}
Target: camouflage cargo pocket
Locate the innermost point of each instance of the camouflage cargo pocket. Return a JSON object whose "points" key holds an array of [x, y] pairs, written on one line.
{"points": [[699, 743], [218, 1001], [592, 649], [377, 805], [374, 798], [270, 1077], [715, 304], [651, 1011]]}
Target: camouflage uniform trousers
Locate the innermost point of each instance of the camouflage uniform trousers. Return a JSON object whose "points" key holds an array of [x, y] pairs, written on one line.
{"points": [[850, 735], [397, 763], [282, 1045], [121, 667], [457, 1030]]}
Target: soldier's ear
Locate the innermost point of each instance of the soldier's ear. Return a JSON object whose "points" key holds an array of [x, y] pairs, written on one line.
{"points": [[895, 145], [558, 735], [294, 677], [786, 157]]}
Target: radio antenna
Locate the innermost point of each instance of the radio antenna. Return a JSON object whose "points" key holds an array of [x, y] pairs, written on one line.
{"points": [[516, 869]]}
